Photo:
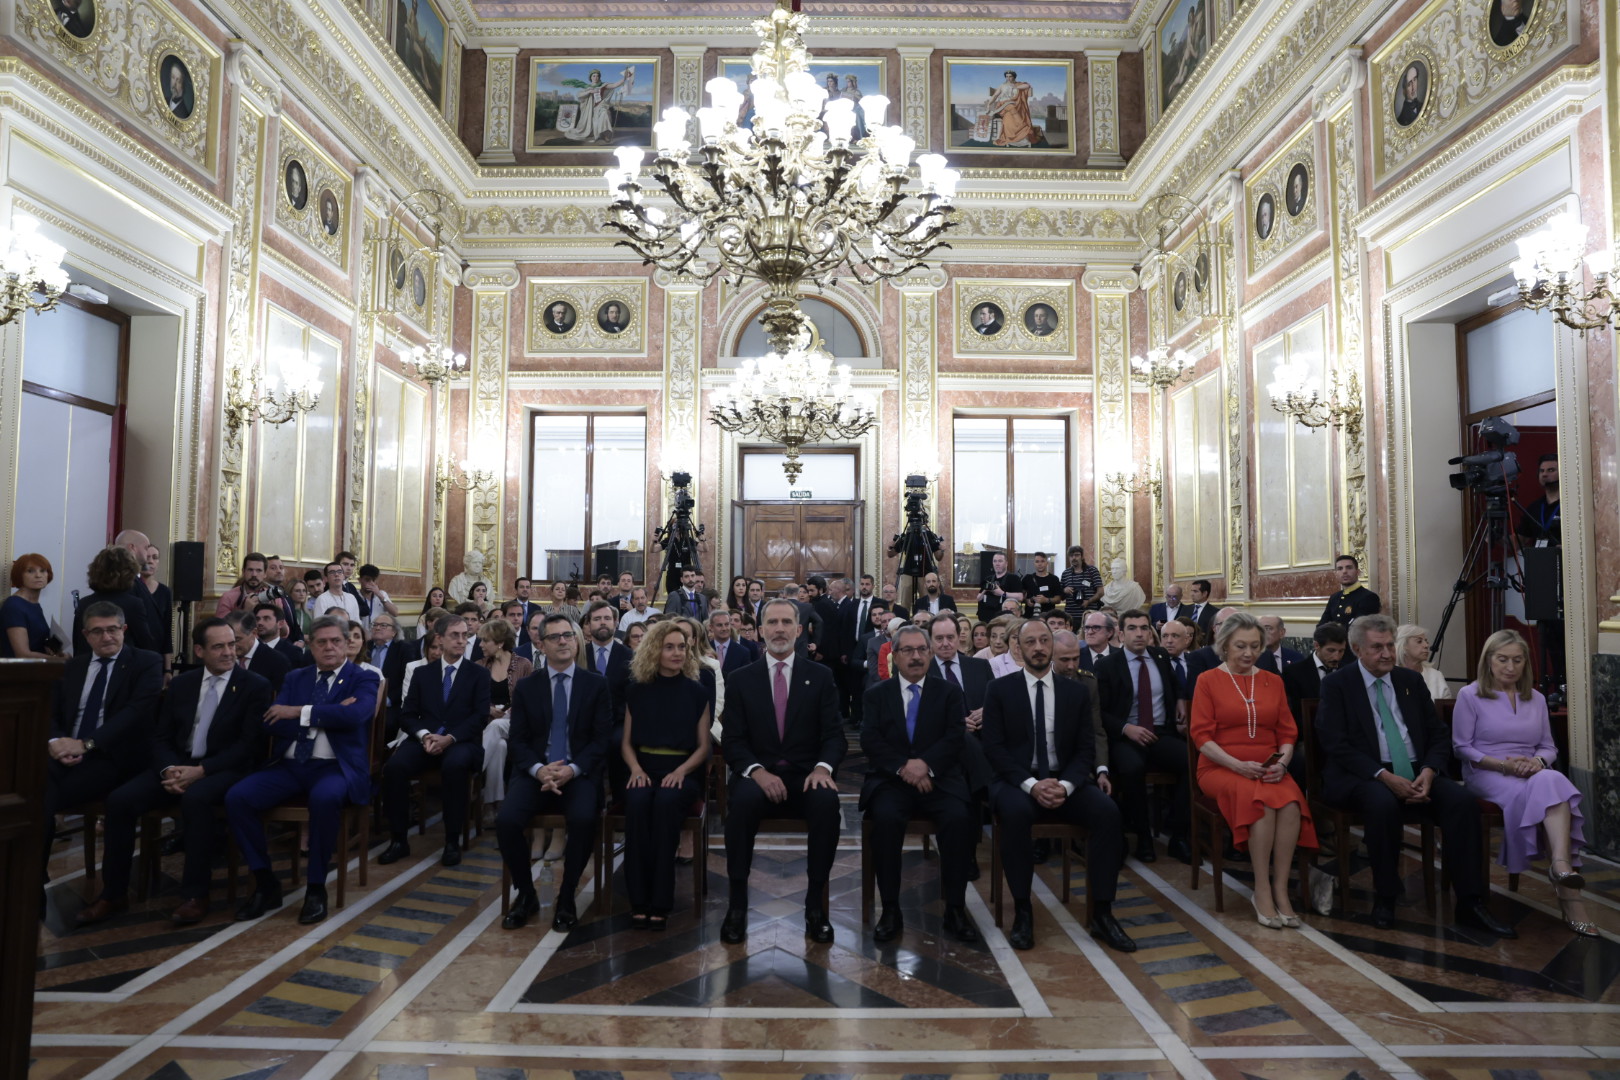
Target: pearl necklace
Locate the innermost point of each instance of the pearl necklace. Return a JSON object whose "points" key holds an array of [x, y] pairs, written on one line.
{"points": [[1251, 713]]}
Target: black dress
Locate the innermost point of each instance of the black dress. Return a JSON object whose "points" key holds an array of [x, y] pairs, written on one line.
{"points": [[663, 718]]}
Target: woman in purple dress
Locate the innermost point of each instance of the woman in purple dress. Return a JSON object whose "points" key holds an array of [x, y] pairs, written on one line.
{"points": [[1501, 732]]}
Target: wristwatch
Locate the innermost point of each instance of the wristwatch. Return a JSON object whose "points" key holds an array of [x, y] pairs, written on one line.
{"points": [[89, 745]]}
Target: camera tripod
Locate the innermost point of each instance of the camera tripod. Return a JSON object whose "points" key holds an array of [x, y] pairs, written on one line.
{"points": [[1500, 546]]}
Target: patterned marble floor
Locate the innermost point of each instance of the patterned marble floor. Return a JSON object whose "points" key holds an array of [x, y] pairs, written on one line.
{"points": [[415, 980]]}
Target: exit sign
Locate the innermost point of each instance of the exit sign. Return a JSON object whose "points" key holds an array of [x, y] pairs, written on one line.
{"points": [[800, 493]]}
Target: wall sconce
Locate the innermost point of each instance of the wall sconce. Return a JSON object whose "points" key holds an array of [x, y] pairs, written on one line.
{"points": [[31, 274], [465, 476], [1549, 274], [1150, 483], [1163, 367], [434, 364], [245, 404], [1340, 408]]}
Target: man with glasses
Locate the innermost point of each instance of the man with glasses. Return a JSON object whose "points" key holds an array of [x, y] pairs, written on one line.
{"points": [[1097, 634], [557, 748]]}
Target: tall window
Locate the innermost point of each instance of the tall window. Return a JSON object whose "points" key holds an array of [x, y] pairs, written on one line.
{"points": [[297, 477], [1011, 478], [588, 514]]}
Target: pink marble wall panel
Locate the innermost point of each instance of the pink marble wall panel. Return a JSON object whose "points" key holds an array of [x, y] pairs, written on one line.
{"points": [[455, 500], [1600, 404]]}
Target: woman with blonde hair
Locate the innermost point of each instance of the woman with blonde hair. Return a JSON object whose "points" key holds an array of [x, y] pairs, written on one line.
{"points": [[665, 743], [1501, 731], [1412, 652]]}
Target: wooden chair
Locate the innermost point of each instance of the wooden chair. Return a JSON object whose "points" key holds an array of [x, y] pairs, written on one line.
{"points": [[354, 822], [433, 781], [922, 827], [1490, 814], [1041, 830], [558, 823], [1343, 820], [152, 852], [1208, 820]]}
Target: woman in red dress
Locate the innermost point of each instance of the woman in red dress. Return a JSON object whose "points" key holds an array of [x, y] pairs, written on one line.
{"points": [[1240, 719]]}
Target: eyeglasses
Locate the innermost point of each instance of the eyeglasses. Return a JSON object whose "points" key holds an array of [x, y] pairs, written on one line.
{"points": [[102, 631], [911, 649], [558, 637], [1095, 629]]}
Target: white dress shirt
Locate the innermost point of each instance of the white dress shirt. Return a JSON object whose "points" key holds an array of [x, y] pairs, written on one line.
{"points": [[329, 601], [1367, 679], [1133, 664], [787, 679], [323, 745], [1030, 682]]}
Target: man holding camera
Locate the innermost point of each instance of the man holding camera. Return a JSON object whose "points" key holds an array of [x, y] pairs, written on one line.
{"points": [[999, 588]]}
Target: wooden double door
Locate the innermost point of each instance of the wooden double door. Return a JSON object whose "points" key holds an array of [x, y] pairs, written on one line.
{"points": [[788, 542]]}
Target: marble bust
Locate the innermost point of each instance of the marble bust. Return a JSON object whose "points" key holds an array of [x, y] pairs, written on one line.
{"points": [[1121, 593], [472, 572]]}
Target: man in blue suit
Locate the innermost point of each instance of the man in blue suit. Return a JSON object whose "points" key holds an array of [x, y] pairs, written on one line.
{"points": [[1273, 657], [732, 651], [557, 749], [321, 727], [443, 717], [210, 734]]}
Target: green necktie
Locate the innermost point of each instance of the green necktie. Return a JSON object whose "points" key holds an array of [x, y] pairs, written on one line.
{"points": [[1400, 762]]}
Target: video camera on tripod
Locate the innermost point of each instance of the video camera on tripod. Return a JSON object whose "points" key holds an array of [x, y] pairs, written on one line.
{"points": [[1491, 472], [918, 547], [678, 537]]}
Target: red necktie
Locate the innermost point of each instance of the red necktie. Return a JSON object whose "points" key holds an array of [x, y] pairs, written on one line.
{"points": [[1144, 694], [780, 692]]}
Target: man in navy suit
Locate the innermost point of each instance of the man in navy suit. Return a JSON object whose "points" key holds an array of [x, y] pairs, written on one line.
{"points": [[1203, 612], [688, 601], [557, 749], [268, 619], [254, 655], [1385, 753], [605, 654], [783, 740], [321, 731], [443, 716], [1096, 636], [912, 730], [1146, 717], [1303, 680], [732, 651], [1171, 608], [1038, 740], [1273, 657], [209, 735], [102, 715]]}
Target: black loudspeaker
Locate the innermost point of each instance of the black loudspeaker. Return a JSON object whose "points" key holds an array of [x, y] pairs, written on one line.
{"points": [[1543, 584], [987, 566], [186, 570], [607, 562]]}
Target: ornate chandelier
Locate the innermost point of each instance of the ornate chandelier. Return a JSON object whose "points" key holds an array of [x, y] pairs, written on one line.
{"points": [[788, 199], [1549, 274], [1162, 367], [31, 274], [244, 402], [792, 398], [434, 364], [1292, 396]]}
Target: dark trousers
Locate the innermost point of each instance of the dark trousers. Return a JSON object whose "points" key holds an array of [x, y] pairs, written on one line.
{"points": [[68, 787], [890, 806], [850, 690], [319, 780], [1450, 806], [652, 831], [1129, 764], [1088, 807], [748, 806], [580, 804], [456, 766], [140, 796]]}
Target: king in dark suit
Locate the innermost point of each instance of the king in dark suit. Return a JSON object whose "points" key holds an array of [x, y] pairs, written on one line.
{"points": [[102, 715], [1385, 753], [912, 730], [209, 735], [1038, 740], [783, 740], [557, 748], [443, 717], [321, 730]]}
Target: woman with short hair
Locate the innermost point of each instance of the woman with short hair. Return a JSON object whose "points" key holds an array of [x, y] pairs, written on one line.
{"points": [[112, 575], [497, 641], [24, 630], [1412, 652]]}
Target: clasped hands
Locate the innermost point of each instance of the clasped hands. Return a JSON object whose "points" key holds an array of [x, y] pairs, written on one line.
{"points": [[776, 791], [67, 751], [1411, 791], [176, 778], [915, 773], [552, 777], [1259, 770], [1521, 766], [437, 744], [1049, 793]]}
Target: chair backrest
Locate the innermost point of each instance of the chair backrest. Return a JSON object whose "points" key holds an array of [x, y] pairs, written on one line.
{"points": [[1444, 708], [1313, 752], [1192, 768], [379, 728]]}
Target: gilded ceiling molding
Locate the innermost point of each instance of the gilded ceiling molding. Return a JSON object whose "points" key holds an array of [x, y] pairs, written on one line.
{"points": [[500, 83], [829, 30], [491, 285], [914, 93], [1102, 73], [1110, 289], [257, 100]]}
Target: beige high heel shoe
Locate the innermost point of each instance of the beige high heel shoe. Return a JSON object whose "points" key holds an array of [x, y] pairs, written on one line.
{"points": [[1270, 922]]}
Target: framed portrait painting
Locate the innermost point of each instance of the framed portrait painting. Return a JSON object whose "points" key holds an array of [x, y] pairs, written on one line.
{"points": [[1183, 41], [420, 42], [842, 76], [1000, 106], [594, 103]]}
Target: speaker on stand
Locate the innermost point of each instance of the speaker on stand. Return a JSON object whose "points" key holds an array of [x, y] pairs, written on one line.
{"points": [[186, 582]]}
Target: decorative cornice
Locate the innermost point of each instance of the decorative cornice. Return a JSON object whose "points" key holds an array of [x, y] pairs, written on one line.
{"points": [[491, 276], [1110, 279]]}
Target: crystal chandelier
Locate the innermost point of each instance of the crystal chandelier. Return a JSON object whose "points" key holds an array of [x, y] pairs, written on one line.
{"points": [[434, 364], [793, 399], [1340, 407], [788, 200], [244, 403], [31, 269], [1163, 367], [1549, 274]]}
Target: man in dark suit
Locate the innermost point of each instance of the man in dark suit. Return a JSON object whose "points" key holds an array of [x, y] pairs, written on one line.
{"points": [[252, 654], [102, 717], [891, 596], [1176, 637], [605, 654], [972, 677], [688, 601], [864, 657], [443, 717], [1303, 680], [1203, 612], [824, 643], [783, 740], [1096, 635], [1206, 658], [321, 731], [1066, 662], [1037, 739], [522, 590], [268, 619], [557, 749], [1385, 753], [1273, 656], [912, 732], [1146, 718], [810, 629], [209, 735], [528, 645], [934, 599], [732, 651], [1171, 608]]}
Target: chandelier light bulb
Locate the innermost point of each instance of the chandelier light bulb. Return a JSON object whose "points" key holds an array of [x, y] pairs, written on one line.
{"points": [[630, 159], [875, 107], [723, 94]]}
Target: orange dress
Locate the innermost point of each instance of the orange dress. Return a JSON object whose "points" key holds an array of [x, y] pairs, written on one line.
{"points": [[1219, 715]]}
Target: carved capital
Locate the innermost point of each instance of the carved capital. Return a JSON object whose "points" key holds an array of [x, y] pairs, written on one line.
{"points": [[1110, 278], [491, 276], [930, 280], [1338, 83], [255, 79], [688, 74]]}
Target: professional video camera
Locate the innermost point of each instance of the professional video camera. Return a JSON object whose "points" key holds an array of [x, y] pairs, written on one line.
{"points": [[1490, 472], [918, 547], [678, 538]]}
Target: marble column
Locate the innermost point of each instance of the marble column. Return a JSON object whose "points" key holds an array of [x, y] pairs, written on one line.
{"points": [[500, 89], [913, 105], [1110, 288], [491, 284], [683, 406], [1102, 67]]}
